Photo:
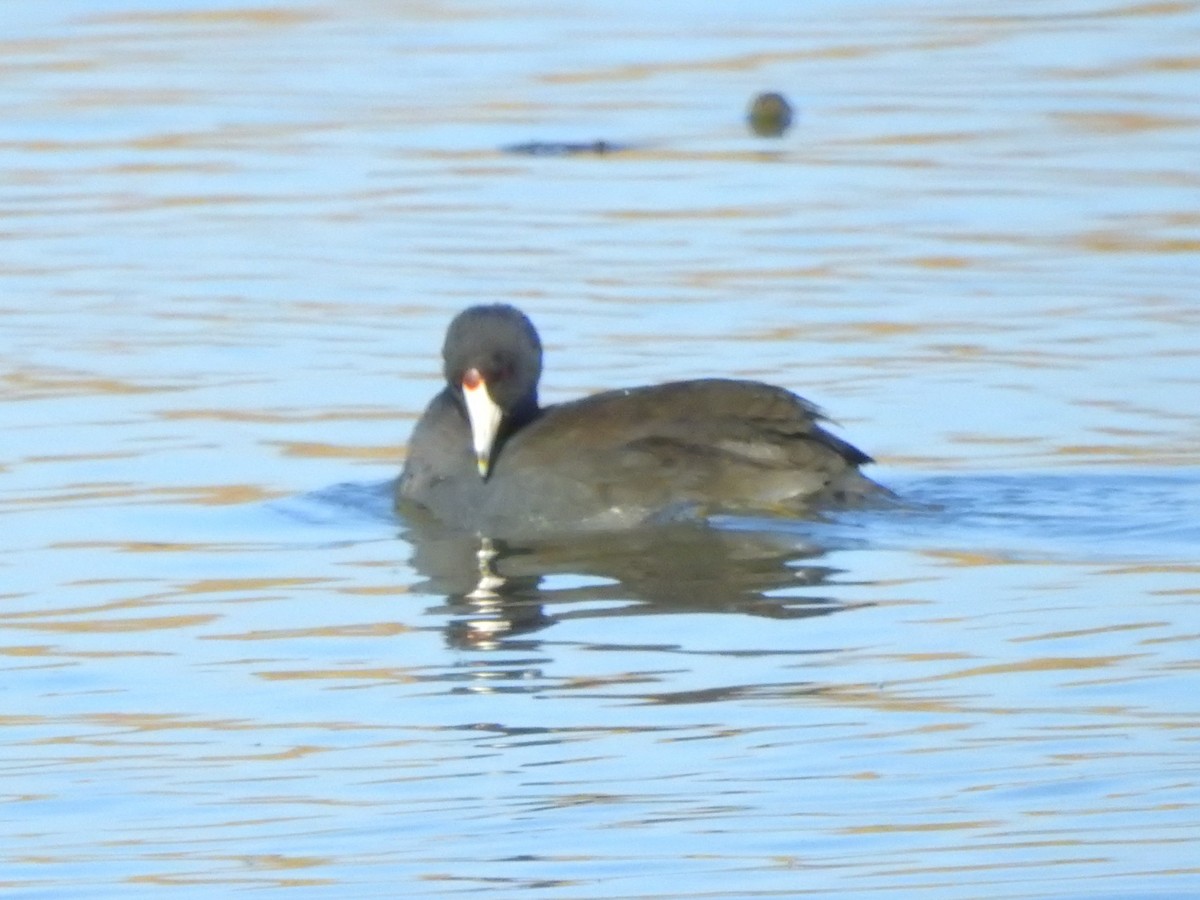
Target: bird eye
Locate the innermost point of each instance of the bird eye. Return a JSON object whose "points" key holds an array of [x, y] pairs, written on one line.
{"points": [[502, 370]]}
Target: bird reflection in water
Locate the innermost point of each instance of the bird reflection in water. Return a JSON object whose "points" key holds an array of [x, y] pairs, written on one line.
{"points": [[491, 616], [499, 590]]}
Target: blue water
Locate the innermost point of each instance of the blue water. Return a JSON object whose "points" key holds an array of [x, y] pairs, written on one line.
{"points": [[233, 239]]}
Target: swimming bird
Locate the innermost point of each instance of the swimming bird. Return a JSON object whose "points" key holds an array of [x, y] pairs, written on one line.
{"points": [[487, 457]]}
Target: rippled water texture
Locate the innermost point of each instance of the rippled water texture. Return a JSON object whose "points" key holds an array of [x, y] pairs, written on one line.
{"points": [[232, 238]]}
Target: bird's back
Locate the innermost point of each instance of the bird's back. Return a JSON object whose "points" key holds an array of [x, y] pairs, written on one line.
{"points": [[622, 457]]}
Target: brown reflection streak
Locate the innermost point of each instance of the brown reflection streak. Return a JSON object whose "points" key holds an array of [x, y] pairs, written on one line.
{"points": [[265, 15], [1165, 459], [1108, 450], [201, 495], [1148, 9], [371, 629], [1154, 568], [1172, 64], [36, 651], [716, 212], [32, 650], [994, 440], [36, 385], [891, 700], [579, 682], [169, 722], [740, 63], [879, 699], [731, 276], [923, 826], [1122, 122], [1175, 638], [116, 99], [73, 610], [111, 626], [1084, 632], [255, 586], [160, 168], [1124, 242], [1038, 664], [147, 547], [274, 417], [268, 862], [940, 262], [214, 880], [1134, 409], [298, 752], [314, 450], [279, 861], [22, 721], [1165, 8], [842, 331], [138, 203], [921, 138], [1143, 66], [227, 585], [977, 867], [965, 558], [394, 675], [79, 457]]}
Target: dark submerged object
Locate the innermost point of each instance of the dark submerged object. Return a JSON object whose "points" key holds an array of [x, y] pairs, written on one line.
{"points": [[565, 148], [770, 115], [486, 457]]}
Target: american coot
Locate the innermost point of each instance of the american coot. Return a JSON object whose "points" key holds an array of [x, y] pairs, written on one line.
{"points": [[486, 457]]}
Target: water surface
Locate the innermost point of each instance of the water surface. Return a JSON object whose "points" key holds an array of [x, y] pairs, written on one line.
{"points": [[233, 238]]}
